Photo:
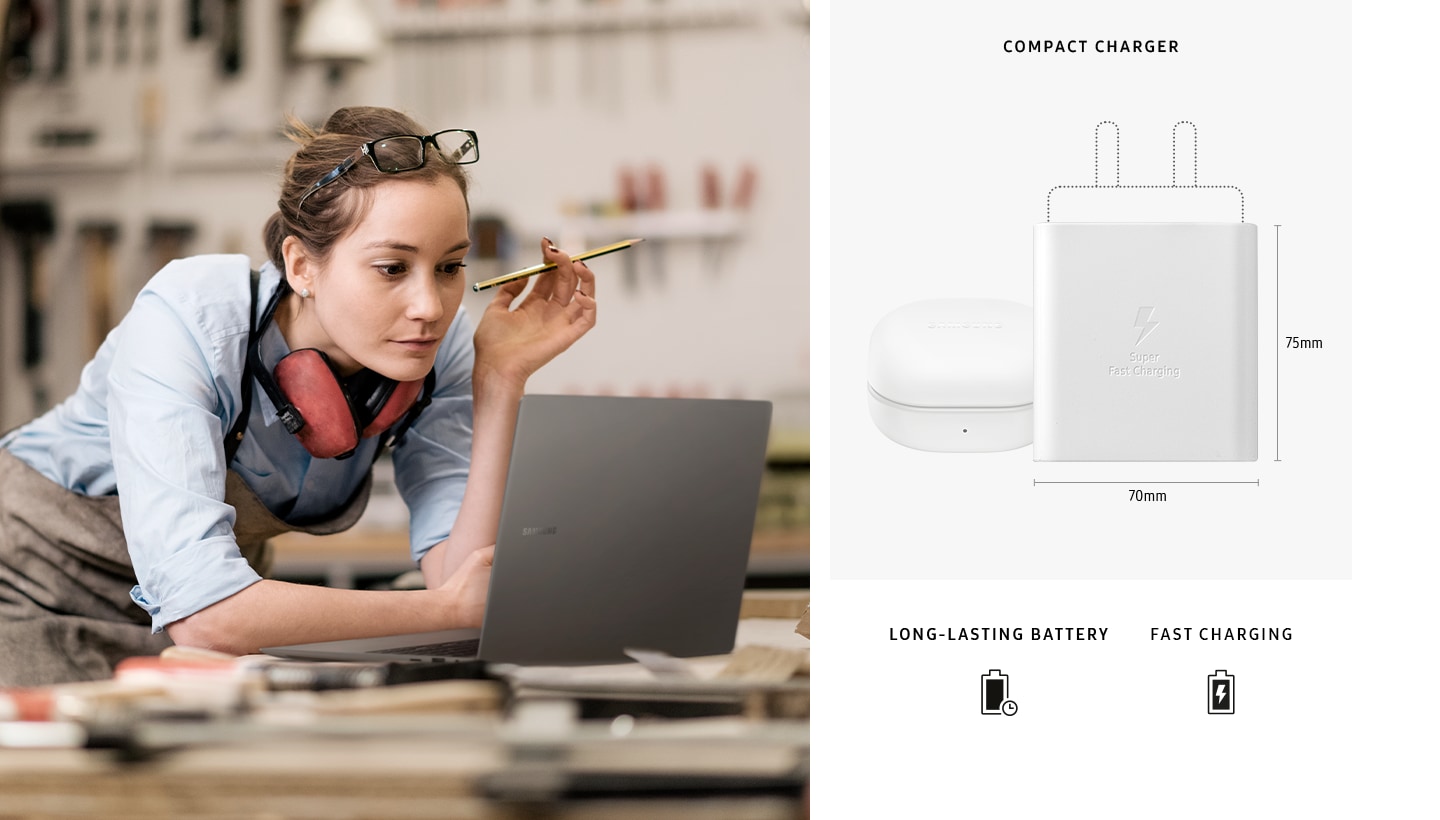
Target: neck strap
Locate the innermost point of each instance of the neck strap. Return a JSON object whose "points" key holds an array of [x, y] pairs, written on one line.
{"points": [[237, 429]]}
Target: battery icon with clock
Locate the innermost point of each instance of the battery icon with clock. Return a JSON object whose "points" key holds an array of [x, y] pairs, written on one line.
{"points": [[995, 694]]}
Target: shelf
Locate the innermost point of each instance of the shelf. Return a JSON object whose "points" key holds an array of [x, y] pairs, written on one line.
{"points": [[788, 447], [433, 26], [114, 163], [240, 153], [658, 225]]}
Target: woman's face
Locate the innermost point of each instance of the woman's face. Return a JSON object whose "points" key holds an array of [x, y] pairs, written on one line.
{"points": [[390, 288]]}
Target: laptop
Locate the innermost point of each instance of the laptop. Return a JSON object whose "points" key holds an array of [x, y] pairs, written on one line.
{"points": [[626, 524]]}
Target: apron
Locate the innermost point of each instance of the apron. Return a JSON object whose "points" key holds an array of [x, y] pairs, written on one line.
{"points": [[65, 574]]}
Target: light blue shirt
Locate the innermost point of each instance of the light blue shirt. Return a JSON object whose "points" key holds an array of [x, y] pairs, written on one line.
{"points": [[153, 406]]}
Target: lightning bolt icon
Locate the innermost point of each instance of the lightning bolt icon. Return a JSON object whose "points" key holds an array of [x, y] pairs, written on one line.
{"points": [[1219, 694], [1142, 321]]}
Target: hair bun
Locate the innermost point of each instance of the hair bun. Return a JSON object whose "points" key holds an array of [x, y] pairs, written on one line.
{"points": [[320, 152]]}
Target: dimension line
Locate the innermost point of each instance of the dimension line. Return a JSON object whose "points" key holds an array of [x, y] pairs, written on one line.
{"points": [[1037, 482], [1277, 342]]}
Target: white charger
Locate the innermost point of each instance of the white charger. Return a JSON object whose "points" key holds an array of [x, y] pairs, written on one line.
{"points": [[1146, 344], [1146, 349], [954, 375]]}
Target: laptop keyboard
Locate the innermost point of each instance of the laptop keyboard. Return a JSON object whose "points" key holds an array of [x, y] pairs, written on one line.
{"points": [[467, 648]]}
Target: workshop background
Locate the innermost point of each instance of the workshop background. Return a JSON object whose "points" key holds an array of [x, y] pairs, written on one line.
{"points": [[133, 132]]}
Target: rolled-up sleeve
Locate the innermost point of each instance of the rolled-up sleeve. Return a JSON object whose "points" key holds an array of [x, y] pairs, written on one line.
{"points": [[166, 428]]}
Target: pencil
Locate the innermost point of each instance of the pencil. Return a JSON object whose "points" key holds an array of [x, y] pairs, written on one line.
{"points": [[547, 267]]}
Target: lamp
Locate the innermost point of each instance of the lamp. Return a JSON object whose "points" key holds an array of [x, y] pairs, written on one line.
{"points": [[338, 32]]}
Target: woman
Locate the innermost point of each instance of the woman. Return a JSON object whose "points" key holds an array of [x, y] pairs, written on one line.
{"points": [[135, 513]]}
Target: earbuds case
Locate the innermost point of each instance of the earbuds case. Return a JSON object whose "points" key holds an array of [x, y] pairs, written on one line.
{"points": [[954, 375]]}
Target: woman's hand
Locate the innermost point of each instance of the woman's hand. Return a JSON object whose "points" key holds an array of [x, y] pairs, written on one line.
{"points": [[514, 340], [469, 587]]}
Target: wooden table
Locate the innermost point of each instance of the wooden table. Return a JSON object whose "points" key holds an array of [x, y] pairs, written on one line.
{"points": [[397, 777], [304, 758]]}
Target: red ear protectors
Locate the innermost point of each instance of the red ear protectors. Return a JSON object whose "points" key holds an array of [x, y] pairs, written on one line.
{"points": [[335, 414], [330, 414]]}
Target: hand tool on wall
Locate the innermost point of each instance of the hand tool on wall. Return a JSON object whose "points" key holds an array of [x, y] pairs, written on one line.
{"points": [[655, 201], [122, 32], [167, 241], [232, 24], [435, 85], [745, 188], [492, 239], [195, 19], [97, 244], [65, 137], [740, 201], [541, 75], [33, 224], [629, 204], [291, 13], [710, 202], [22, 31], [589, 63], [660, 51], [60, 50], [94, 33], [484, 58], [629, 191], [150, 33], [615, 41], [710, 188]]}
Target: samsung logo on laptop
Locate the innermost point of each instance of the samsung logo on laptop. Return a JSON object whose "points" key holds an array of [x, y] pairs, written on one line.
{"points": [[965, 325], [539, 530]]}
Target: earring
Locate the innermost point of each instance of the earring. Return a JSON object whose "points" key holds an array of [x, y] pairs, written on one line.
{"points": [[304, 293]]}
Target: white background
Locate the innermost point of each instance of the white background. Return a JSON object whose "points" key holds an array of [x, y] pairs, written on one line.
{"points": [[1338, 722], [940, 201]]}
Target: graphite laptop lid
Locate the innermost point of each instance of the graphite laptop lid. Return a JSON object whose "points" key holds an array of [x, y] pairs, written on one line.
{"points": [[626, 525]]}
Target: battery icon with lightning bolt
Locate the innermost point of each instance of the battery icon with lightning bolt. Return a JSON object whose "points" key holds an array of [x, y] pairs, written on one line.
{"points": [[1221, 693]]}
